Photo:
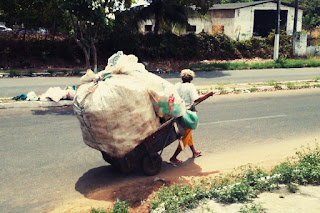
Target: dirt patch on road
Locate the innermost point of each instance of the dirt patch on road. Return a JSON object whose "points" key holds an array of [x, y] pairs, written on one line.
{"points": [[137, 189]]}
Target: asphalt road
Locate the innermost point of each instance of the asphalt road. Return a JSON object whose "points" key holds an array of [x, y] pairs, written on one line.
{"points": [[44, 161], [10, 87]]}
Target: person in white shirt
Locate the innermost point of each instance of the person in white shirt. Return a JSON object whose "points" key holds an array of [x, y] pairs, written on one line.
{"points": [[187, 91]]}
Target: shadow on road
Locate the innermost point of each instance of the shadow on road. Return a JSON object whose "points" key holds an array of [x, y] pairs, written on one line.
{"points": [[105, 183], [66, 110]]}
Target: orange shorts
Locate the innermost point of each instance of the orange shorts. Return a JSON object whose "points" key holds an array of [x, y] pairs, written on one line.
{"points": [[187, 138]]}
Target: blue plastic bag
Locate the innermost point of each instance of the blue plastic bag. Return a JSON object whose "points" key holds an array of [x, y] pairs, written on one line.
{"points": [[190, 120]]}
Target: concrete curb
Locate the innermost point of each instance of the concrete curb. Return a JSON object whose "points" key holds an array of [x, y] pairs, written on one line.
{"points": [[259, 87], [35, 104]]}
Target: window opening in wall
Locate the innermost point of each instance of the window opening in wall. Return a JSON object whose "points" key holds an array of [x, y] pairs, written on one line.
{"points": [[191, 28], [265, 21], [148, 28], [217, 29]]}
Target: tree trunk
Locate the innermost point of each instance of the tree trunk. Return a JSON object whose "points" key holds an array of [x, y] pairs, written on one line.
{"points": [[156, 24], [310, 40], [78, 37], [94, 54], [86, 53], [87, 58], [85, 49]]}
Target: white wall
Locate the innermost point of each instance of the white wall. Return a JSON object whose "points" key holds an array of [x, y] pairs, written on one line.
{"points": [[241, 27], [202, 24], [224, 18], [245, 19], [237, 23], [243, 23]]}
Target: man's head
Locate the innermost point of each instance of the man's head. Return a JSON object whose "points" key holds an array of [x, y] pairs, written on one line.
{"points": [[187, 75]]}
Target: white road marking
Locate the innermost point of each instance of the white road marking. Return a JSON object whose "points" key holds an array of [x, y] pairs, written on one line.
{"points": [[243, 119]]}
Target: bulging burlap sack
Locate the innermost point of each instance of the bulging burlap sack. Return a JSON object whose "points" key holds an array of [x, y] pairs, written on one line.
{"points": [[115, 115]]}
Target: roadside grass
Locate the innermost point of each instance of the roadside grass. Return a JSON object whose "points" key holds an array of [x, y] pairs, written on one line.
{"points": [[252, 208], [51, 72], [243, 186], [281, 63], [118, 207], [271, 85], [240, 186], [9, 100]]}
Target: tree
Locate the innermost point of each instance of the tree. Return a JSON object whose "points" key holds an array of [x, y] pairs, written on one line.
{"points": [[90, 19], [33, 14], [167, 13]]}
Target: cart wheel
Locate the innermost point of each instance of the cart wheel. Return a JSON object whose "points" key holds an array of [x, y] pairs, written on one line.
{"points": [[151, 164], [121, 164]]}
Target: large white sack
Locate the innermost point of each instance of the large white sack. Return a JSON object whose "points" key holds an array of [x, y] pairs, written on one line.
{"points": [[115, 115], [165, 98]]}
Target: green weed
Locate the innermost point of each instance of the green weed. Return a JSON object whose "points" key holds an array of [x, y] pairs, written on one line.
{"points": [[120, 207], [306, 85], [247, 184], [253, 89], [280, 63], [97, 211], [13, 73], [293, 188], [51, 71], [291, 85], [316, 79], [252, 208], [76, 71]]}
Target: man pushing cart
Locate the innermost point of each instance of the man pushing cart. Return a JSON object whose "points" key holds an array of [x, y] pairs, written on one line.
{"points": [[119, 110]]}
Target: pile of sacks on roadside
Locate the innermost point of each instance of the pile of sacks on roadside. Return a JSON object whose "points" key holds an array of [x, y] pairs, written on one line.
{"points": [[120, 106], [52, 94]]}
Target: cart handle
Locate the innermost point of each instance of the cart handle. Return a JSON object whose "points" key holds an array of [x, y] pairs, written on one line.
{"points": [[202, 98]]}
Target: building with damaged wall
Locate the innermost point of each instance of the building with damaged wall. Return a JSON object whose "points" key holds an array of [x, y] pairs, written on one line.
{"points": [[241, 20], [244, 20]]}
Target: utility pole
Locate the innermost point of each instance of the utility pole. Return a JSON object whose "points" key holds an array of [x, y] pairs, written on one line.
{"points": [[296, 8], [277, 36]]}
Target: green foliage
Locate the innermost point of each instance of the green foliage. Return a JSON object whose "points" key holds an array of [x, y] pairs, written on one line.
{"points": [[30, 72], [180, 196], [254, 47], [97, 211], [237, 192], [76, 71], [13, 73], [291, 85], [316, 79], [218, 46], [252, 208], [280, 63], [305, 170], [51, 71], [172, 13], [34, 14], [293, 188], [120, 207]]}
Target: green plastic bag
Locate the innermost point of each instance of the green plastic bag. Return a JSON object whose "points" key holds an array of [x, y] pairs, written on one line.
{"points": [[190, 120]]}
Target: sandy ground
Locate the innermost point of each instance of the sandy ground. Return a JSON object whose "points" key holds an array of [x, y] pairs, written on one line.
{"points": [[307, 199]]}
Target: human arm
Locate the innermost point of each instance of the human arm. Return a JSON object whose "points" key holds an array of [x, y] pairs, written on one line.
{"points": [[203, 97]]}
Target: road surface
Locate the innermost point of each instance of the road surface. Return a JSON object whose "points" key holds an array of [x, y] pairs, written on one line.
{"points": [[44, 162], [10, 87]]}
